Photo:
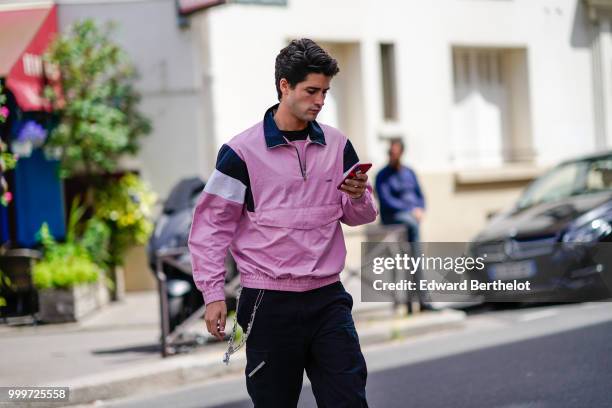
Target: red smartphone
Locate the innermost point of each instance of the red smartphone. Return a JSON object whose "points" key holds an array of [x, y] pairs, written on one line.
{"points": [[359, 168]]}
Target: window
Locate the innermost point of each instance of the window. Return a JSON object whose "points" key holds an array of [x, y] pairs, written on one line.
{"points": [[599, 175], [559, 183], [491, 122], [389, 85]]}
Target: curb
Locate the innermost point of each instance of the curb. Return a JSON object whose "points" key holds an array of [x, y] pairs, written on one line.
{"points": [[416, 325], [196, 367]]}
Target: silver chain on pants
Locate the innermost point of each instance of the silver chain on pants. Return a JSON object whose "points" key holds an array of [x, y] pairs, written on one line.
{"points": [[231, 347]]}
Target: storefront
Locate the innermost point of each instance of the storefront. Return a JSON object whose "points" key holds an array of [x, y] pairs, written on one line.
{"points": [[26, 30]]}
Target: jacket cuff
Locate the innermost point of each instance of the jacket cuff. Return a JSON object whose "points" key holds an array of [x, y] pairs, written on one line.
{"points": [[365, 197], [359, 200], [214, 295]]}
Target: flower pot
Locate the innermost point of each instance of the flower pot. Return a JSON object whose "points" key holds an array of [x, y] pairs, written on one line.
{"points": [[70, 305]]}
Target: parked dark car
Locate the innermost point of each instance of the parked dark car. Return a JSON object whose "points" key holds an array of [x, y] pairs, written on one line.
{"points": [[557, 236]]}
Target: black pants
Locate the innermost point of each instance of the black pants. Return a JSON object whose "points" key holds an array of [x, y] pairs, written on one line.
{"points": [[297, 331]]}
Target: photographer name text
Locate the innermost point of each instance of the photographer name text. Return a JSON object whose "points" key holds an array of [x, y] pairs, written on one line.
{"points": [[436, 286]]}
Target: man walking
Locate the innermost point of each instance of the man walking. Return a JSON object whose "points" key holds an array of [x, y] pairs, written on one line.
{"points": [[273, 200]]}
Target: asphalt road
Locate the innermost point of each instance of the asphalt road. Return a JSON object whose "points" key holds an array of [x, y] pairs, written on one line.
{"points": [[538, 357]]}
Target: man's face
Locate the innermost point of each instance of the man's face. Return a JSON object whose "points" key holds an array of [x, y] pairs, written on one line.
{"points": [[306, 100], [395, 153]]}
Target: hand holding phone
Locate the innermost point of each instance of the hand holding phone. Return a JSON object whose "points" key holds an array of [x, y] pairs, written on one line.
{"points": [[357, 173]]}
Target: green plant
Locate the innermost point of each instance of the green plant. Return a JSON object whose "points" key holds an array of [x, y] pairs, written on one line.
{"points": [[7, 160], [96, 240], [97, 103], [67, 264], [64, 265], [3, 109], [126, 206], [99, 122], [5, 282]]}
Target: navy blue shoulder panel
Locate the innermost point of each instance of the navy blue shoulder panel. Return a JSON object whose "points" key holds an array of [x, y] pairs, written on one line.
{"points": [[230, 164], [350, 157]]}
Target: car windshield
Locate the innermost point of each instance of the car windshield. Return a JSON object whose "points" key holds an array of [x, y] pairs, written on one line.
{"points": [[570, 179]]}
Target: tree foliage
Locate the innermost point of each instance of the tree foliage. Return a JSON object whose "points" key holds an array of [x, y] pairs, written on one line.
{"points": [[96, 101]]}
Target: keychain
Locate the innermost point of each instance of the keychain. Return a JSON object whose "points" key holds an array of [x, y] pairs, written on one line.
{"points": [[232, 348]]}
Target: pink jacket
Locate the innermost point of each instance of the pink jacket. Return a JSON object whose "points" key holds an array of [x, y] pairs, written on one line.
{"points": [[275, 204]]}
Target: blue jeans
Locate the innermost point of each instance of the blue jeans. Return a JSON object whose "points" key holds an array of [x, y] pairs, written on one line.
{"points": [[411, 223], [413, 237], [297, 331]]}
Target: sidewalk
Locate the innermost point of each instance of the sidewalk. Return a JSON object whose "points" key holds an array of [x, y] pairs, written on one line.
{"points": [[115, 352]]}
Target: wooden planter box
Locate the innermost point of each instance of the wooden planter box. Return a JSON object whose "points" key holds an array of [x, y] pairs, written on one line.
{"points": [[70, 305]]}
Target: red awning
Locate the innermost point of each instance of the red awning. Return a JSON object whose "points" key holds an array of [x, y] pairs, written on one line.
{"points": [[25, 34], [187, 7]]}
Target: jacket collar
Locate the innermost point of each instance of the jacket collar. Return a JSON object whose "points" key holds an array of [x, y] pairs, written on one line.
{"points": [[274, 137]]}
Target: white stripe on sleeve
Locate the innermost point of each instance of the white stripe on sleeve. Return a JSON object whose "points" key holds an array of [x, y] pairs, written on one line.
{"points": [[225, 186]]}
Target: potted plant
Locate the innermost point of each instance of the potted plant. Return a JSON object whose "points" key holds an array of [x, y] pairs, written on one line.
{"points": [[99, 123], [70, 277], [125, 206]]}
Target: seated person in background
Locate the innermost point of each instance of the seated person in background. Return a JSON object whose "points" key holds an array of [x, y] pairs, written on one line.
{"points": [[402, 202], [399, 193]]}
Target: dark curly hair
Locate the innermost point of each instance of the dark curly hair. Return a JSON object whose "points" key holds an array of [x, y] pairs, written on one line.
{"points": [[300, 58]]}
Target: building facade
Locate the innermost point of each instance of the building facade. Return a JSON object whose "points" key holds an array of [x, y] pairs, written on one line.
{"points": [[485, 93], [166, 56]]}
